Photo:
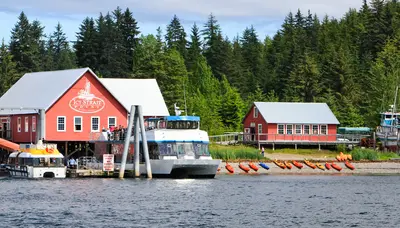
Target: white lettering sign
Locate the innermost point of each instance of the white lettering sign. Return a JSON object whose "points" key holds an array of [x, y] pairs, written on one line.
{"points": [[108, 162], [86, 102]]}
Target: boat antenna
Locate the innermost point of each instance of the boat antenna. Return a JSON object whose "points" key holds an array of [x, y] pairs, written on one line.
{"points": [[184, 96], [394, 107]]}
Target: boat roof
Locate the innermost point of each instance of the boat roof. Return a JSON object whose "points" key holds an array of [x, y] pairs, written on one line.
{"points": [[183, 118], [35, 155]]}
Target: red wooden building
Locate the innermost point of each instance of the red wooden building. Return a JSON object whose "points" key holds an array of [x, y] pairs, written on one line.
{"points": [[76, 104], [280, 122]]}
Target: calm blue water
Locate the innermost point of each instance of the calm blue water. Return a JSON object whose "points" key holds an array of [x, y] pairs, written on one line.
{"points": [[227, 201]]}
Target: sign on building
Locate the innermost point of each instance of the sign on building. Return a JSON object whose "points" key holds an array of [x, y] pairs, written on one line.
{"points": [[108, 162], [86, 101]]}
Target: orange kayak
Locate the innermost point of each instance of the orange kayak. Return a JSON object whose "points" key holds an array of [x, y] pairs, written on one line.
{"points": [[348, 165], [336, 166], [253, 167], [288, 165], [297, 164], [279, 164], [327, 166], [310, 164], [244, 168], [229, 168]]}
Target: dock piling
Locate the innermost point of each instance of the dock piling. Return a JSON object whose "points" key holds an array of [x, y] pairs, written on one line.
{"points": [[144, 143], [127, 142], [137, 145]]}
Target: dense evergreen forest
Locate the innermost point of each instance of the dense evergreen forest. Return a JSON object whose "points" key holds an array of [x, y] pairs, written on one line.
{"points": [[351, 63]]}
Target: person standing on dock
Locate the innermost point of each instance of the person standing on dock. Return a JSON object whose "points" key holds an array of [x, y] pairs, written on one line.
{"points": [[262, 151]]}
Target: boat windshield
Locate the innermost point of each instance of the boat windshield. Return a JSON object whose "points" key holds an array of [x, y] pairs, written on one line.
{"points": [[182, 125], [180, 149]]}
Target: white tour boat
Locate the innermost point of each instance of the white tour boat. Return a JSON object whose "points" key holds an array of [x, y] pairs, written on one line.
{"points": [[37, 161]]}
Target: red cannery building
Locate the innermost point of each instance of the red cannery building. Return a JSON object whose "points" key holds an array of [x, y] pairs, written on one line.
{"points": [[286, 122], [76, 105]]}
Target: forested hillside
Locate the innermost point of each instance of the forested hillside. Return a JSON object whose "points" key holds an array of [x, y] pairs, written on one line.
{"points": [[352, 63]]}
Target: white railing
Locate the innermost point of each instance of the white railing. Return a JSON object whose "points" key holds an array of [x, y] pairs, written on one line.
{"points": [[244, 137]]}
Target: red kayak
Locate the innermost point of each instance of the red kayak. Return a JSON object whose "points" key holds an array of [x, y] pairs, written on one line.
{"points": [[336, 166], [253, 167], [327, 166], [229, 168], [297, 164], [244, 168], [348, 165]]}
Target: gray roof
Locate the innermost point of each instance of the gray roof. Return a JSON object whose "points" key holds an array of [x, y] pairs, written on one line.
{"points": [[38, 90], [296, 113], [143, 92]]}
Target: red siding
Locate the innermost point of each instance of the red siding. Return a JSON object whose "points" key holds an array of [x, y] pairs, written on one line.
{"points": [[249, 119], [270, 130], [23, 136], [112, 108]]}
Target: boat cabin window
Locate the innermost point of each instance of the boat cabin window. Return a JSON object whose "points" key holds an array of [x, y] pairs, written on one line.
{"points": [[37, 162], [174, 149], [182, 125]]}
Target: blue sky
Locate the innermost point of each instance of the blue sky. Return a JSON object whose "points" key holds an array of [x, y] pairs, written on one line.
{"points": [[233, 15]]}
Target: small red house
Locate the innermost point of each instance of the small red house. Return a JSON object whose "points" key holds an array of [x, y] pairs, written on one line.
{"points": [[76, 102], [285, 121]]}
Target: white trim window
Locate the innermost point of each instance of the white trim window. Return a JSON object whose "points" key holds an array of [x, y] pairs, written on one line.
{"points": [[255, 112], [298, 129], [260, 129], [324, 129], [19, 124], [112, 121], [26, 123], [306, 129], [281, 129], [33, 124], [78, 124], [95, 124], [61, 123], [289, 129], [315, 129]]}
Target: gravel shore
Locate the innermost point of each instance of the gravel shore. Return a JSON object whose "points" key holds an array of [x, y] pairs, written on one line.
{"points": [[361, 168]]}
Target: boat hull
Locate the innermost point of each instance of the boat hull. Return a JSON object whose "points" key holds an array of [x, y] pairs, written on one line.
{"points": [[29, 172], [180, 168]]}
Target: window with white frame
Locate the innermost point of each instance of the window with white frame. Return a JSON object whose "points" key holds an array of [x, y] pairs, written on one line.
{"points": [[315, 129], [26, 123], [260, 129], [281, 129], [112, 121], [33, 123], [324, 130], [77, 123], [61, 123], [95, 124], [306, 129], [255, 112], [19, 124], [289, 129], [298, 129]]}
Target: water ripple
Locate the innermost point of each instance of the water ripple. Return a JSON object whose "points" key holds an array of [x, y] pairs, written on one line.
{"points": [[226, 201]]}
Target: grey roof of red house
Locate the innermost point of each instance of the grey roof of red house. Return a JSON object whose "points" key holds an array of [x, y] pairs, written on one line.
{"points": [[145, 92], [296, 113], [38, 90], [41, 90]]}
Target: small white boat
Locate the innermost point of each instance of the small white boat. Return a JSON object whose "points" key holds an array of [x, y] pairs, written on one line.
{"points": [[37, 161]]}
